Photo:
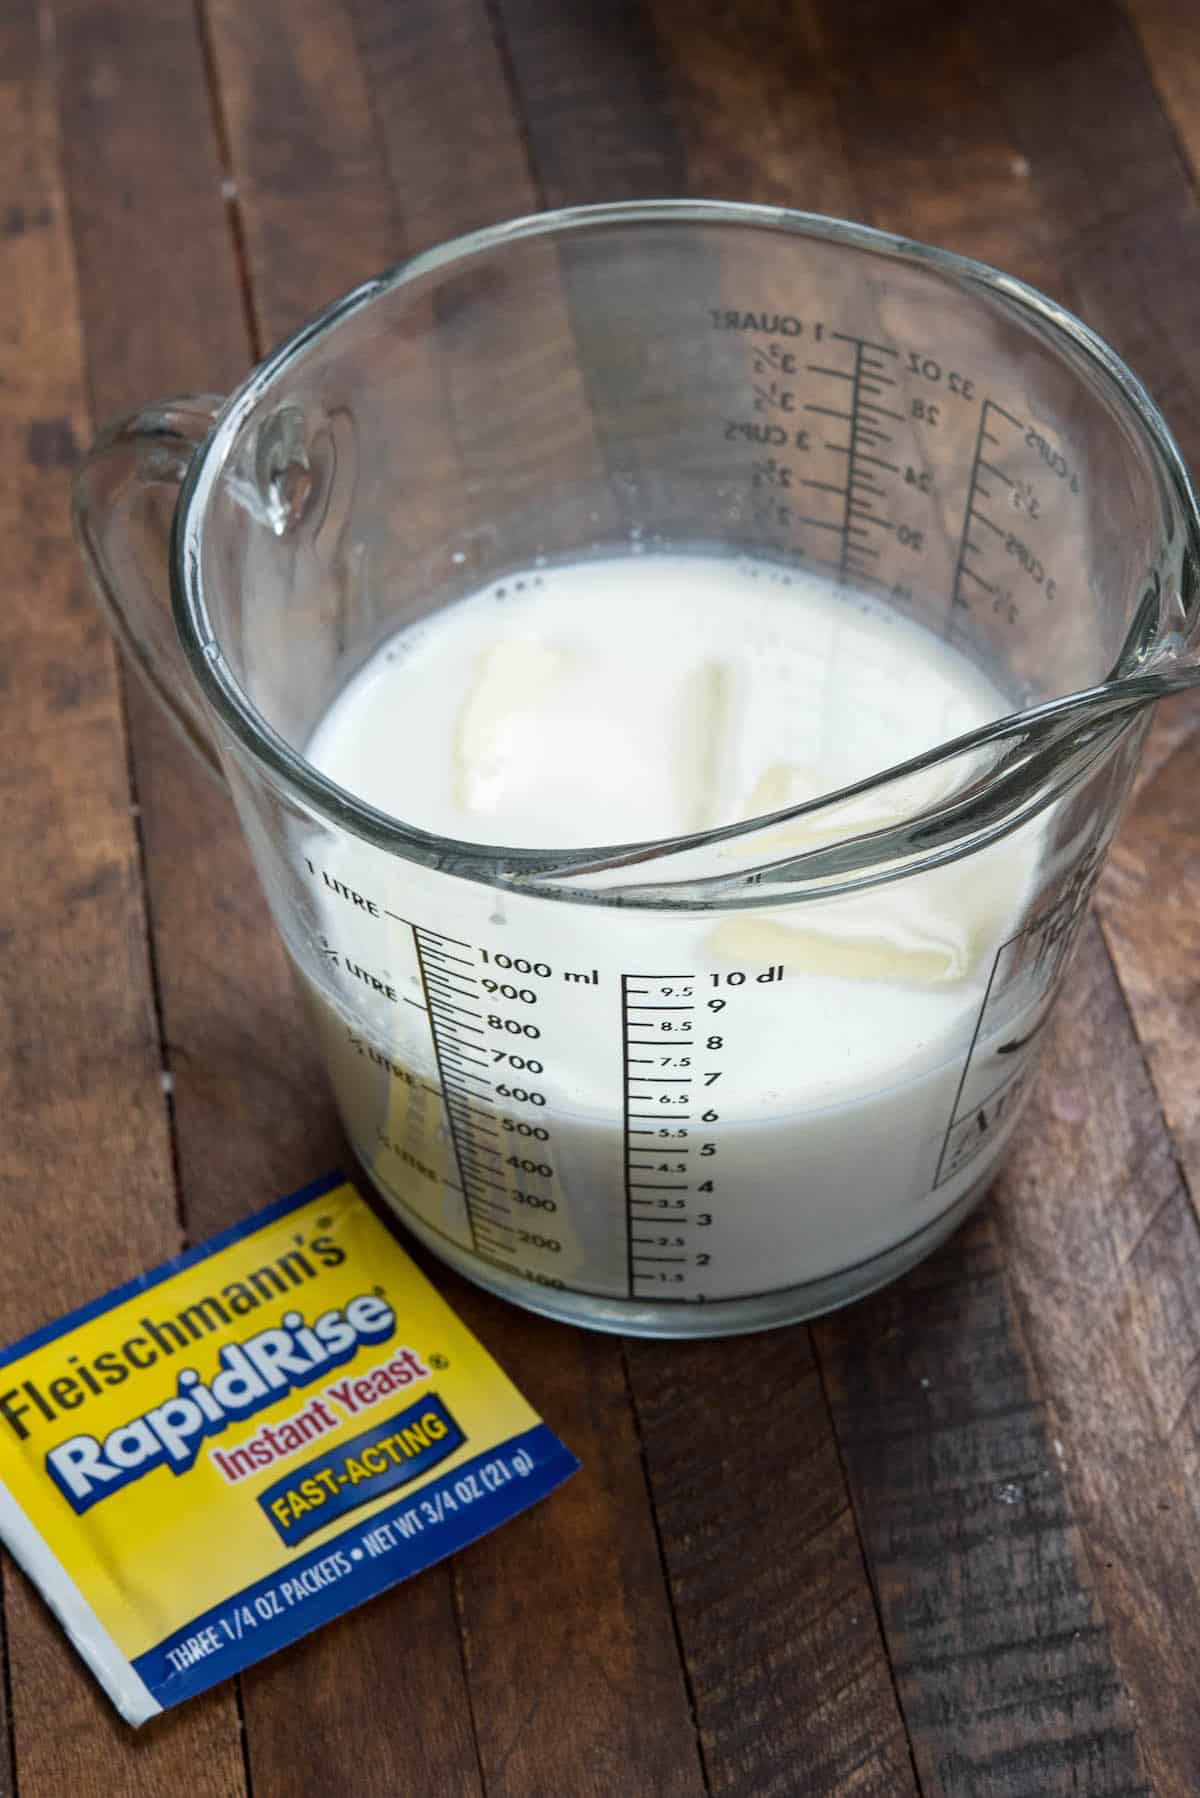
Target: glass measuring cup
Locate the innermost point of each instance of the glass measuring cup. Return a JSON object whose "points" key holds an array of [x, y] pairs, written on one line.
{"points": [[714, 1082]]}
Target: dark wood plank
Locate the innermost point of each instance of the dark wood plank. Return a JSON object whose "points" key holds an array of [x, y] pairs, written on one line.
{"points": [[250, 1105], [766, 1569], [888, 79], [571, 1655], [968, 1675], [1088, 185], [1000, 1650], [1106, 170], [594, 100], [808, 1705], [1101, 1247], [757, 117], [447, 117], [85, 1163], [232, 1010], [1167, 32]]}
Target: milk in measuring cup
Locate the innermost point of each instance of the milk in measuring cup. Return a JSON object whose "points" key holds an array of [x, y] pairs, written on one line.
{"points": [[645, 1105]]}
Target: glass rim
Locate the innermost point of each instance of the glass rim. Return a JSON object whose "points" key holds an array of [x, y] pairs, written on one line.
{"points": [[503, 865]]}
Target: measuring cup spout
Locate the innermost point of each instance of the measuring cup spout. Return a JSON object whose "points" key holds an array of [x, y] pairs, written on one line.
{"points": [[933, 809]]}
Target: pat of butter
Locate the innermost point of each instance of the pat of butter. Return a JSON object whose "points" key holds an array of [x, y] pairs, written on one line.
{"points": [[251, 1439], [498, 722]]}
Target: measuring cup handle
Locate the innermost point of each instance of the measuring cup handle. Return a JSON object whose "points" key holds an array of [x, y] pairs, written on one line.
{"points": [[123, 502]]}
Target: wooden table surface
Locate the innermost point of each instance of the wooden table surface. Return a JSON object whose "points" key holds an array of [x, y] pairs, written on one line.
{"points": [[947, 1542]]}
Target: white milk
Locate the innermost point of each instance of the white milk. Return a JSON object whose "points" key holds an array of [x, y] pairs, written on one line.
{"points": [[645, 1105]]}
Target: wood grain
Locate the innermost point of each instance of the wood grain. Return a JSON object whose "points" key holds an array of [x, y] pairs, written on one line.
{"points": [[1012, 1434], [851, 1738], [1084, 192], [1106, 173], [1000, 1650], [766, 1569], [252, 1115], [564, 1614], [1166, 29], [85, 1165], [887, 66], [231, 1010]]}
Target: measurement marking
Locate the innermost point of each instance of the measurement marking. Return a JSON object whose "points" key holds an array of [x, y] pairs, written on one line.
{"points": [[463, 1053], [839, 449], [1004, 414], [457, 1024], [878, 379], [662, 1080], [478, 1122], [872, 435], [493, 1201], [878, 462], [462, 1074], [839, 374], [448, 1103], [661, 1008], [399, 919], [828, 412], [447, 976], [883, 411], [661, 1116], [445, 955], [864, 343], [824, 487], [444, 986], [647, 1258], [861, 511], [855, 431], [652, 1186], [974, 512], [998, 472], [960, 566], [439, 936], [625, 1022], [659, 977], [496, 1210], [440, 1004], [484, 1181], [822, 524], [415, 1002]]}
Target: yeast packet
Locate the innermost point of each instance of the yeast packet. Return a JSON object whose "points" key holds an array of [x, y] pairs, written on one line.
{"points": [[223, 1454]]}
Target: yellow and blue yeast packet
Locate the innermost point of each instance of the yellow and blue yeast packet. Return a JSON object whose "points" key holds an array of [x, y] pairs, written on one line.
{"points": [[225, 1453]]}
